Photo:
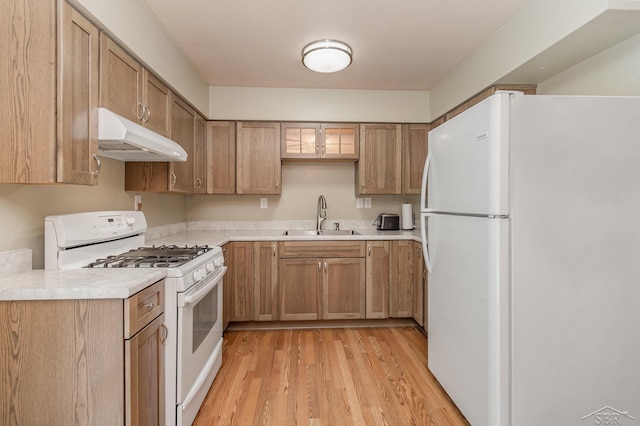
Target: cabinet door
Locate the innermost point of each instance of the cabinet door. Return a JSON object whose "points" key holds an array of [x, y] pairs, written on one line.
{"points": [[378, 277], [418, 285], [221, 157], [402, 279], [200, 156], [258, 158], [300, 140], [265, 281], [77, 159], [380, 163], [425, 294], [240, 270], [120, 81], [340, 141], [414, 153], [157, 99], [144, 375], [300, 288], [343, 288], [183, 132]]}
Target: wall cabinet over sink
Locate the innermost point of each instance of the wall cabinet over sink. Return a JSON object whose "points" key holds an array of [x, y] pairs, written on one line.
{"points": [[313, 141]]}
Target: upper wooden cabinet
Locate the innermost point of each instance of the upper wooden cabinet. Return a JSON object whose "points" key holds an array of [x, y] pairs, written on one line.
{"points": [[183, 121], [48, 116], [221, 157], [129, 90], [379, 169], [335, 141], [414, 154], [258, 169], [200, 156]]}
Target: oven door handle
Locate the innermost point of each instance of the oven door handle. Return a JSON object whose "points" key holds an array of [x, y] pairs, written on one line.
{"points": [[193, 295]]}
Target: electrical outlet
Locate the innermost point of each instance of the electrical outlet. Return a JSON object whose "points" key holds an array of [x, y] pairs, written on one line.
{"points": [[263, 203], [137, 202], [359, 203], [367, 202]]}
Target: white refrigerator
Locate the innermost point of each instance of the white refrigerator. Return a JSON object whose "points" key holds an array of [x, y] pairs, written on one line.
{"points": [[531, 227]]}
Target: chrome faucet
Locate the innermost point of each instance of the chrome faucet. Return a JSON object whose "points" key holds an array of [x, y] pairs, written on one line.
{"points": [[322, 215]]}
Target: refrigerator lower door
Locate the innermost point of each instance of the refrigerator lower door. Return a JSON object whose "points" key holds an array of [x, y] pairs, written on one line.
{"points": [[468, 313]]}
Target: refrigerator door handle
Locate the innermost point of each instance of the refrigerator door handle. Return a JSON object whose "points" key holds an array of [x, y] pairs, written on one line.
{"points": [[423, 190], [425, 246]]}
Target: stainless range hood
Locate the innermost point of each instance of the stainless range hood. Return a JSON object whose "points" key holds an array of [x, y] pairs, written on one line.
{"points": [[124, 140]]}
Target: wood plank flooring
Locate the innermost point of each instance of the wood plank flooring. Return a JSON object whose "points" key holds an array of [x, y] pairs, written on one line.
{"points": [[331, 376]]}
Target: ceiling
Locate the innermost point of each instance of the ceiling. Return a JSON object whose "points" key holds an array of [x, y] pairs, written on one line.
{"points": [[402, 45]]}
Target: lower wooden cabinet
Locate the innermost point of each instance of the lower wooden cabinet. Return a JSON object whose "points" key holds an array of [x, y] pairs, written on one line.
{"points": [[265, 281], [83, 361], [402, 279], [378, 278], [418, 284], [322, 280], [239, 271]]}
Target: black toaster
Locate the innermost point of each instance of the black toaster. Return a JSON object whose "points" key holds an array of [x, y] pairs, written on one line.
{"points": [[388, 222]]}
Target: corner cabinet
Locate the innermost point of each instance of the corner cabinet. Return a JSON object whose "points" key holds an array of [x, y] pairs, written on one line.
{"points": [[102, 365], [258, 169], [48, 118], [379, 169]]}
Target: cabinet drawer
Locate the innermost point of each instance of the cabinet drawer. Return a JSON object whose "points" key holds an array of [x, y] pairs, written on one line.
{"points": [[300, 249], [142, 308]]}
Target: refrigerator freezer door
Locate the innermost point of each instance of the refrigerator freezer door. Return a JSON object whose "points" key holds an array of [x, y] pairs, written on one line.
{"points": [[468, 314], [468, 171]]}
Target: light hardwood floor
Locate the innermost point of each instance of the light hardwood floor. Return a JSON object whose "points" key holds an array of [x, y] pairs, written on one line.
{"points": [[332, 376]]}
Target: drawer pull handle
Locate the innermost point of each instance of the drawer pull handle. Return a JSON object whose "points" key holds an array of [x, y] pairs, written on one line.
{"points": [[149, 305], [166, 333]]}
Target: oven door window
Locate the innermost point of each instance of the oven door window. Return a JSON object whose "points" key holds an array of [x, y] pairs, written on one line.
{"points": [[205, 315]]}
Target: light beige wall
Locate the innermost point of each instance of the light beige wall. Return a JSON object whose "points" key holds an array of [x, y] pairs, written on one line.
{"points": [[24, 207], [614, 72], [302, 183], [260, 103], [133, 25]]}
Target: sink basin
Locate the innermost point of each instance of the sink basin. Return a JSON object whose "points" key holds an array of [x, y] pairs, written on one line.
{"points": [[314, 232]]}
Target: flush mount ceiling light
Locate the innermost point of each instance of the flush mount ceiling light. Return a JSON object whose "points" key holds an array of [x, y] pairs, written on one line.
{"points": [[326, 56]]}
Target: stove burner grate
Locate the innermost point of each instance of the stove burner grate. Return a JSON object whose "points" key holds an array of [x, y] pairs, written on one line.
{"points": [[164, 256]]}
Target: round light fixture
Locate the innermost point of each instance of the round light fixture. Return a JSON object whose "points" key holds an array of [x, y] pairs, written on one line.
{"points": [[326, 56]]}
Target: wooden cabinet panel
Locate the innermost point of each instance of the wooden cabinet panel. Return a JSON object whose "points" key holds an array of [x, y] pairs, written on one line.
{"points": [[321, 248], [144, 375], [379, 169], [120, 81], [258, 158], [300, 288], [221, 156], [240, 271], [142, 307], [343, 288], [200, 156], [414, 154], [157, 98], [265, 281], [402, 279], [227, 283], [418, 285], [183, 132], [527, 89], [48, 116], [314, 141], [378, 277]]}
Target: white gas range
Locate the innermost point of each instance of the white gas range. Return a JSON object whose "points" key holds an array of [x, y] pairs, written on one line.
{"points": [[193, 293]]}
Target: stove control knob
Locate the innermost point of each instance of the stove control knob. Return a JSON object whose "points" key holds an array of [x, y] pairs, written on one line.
{"points": [[210, 267], [218, 261], [131, 221], [199, 274]]}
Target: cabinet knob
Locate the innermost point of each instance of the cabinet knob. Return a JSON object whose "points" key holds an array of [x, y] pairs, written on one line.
{"points": [[174, 178], [147, 114], [140, 111], [198, 183], [369, 249], [277, 184], [273, 249], [166, 333]]}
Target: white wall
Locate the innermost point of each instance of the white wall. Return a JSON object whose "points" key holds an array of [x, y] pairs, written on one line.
{"points": [[259, 103], [24, 207], [130, 22]]}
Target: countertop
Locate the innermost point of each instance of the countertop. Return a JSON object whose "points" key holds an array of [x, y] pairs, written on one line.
{"points": [[40, 284], [122, 283]]}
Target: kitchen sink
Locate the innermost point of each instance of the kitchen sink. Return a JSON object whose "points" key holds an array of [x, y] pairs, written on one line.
{"points": [[323, 232]]}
